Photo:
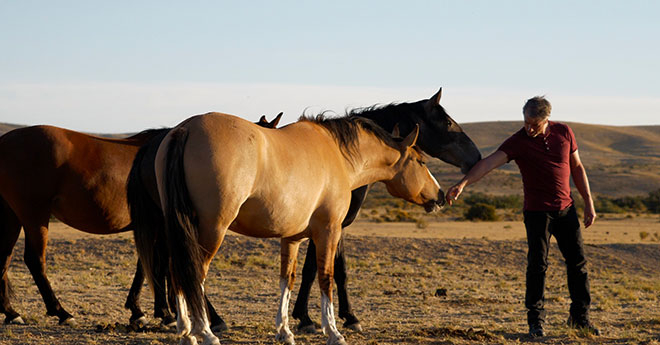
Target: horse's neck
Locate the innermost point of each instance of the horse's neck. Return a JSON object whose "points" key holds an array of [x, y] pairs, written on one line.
{"points": [[375, 162]]}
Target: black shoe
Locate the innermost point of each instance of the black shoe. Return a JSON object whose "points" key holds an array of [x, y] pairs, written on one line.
{"points": [[583, 324], [536, 330]]}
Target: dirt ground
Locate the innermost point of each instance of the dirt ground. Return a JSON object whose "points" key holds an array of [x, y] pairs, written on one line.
{"points": [[395, 270]]}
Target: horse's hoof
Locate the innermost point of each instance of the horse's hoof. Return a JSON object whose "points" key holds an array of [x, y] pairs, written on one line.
{"points": [[308, 327], [168, 322], [285, 338], [139, 323], [357, 327], [337, 341], [71, 322], [188, 340], [15, 321], [211, 341], [219, 328]]}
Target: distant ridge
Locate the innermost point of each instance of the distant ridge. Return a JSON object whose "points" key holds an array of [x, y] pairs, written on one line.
{"points": [[620, 160], [6, 127]]}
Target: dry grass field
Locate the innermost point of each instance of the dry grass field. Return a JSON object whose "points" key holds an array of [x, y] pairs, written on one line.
{"points": [[395, 271]]}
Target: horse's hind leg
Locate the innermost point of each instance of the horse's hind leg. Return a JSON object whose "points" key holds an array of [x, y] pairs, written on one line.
{"points": [[133, 300], [300, 309], [36, 237], [10, 228]]}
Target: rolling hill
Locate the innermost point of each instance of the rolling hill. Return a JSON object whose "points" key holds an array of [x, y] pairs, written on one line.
{"points": [[620, 160]]}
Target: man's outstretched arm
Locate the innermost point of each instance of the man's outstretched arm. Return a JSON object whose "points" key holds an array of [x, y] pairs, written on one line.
{"points": [[483, 167]]}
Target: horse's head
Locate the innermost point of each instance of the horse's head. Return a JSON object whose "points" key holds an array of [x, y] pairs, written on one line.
{"points": [[441, 137], [413, 180]]}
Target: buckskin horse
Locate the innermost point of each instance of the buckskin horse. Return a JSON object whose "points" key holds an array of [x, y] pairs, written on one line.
{"points": [[217, 172], [146, 213], [78, 178]]}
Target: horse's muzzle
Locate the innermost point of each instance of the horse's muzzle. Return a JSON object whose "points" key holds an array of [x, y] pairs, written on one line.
{"points": [[435, 205]]}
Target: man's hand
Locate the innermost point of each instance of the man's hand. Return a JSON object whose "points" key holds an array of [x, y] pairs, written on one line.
{"points": [[589, 216], [453, 192]]}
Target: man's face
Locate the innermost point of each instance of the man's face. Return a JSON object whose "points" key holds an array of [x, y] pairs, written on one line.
{"points": [[535, 125]]}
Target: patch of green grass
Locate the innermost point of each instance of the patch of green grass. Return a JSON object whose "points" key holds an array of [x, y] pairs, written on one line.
{"points": [[261, 261]]}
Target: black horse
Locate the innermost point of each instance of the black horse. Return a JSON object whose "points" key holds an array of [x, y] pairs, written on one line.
{"points": [[439, 136]]}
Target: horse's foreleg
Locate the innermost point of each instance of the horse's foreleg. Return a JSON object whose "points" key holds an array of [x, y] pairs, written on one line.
{"points": [[345, 311], [300, 310], [357, 199], [9, 231], [133, 300], [326, 247], [288, 256], [36, 238]]}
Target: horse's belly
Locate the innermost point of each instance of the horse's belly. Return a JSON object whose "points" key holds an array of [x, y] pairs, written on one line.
{"points": [[91, 218], [256, 220]]}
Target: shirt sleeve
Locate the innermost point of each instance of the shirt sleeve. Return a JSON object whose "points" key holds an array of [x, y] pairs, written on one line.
{"points": [[510, 147], [571, 139]]}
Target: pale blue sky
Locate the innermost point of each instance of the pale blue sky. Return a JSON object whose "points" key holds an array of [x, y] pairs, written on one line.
{"points": [[116, 66]]}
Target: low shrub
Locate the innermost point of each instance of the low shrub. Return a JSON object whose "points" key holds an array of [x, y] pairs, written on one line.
{"points": [[481, 211]]}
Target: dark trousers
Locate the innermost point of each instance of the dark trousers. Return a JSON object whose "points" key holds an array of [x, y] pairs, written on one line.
{"points": [[565, 226]]}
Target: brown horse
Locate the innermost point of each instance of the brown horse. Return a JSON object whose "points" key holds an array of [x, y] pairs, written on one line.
{"points": [[78, 178], [217, 172]]}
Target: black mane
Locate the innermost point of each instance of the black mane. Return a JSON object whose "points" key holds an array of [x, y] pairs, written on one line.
{"points": [[404, 114], [345, 131]]}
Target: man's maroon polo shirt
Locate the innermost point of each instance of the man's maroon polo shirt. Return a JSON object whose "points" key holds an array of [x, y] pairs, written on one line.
{"points": [[544, 164]]}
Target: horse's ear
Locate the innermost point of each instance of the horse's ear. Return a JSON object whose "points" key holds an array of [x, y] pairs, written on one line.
{"points": [[411, 139], [263, 121], [433, 101], [395, 131], [276, 121]]}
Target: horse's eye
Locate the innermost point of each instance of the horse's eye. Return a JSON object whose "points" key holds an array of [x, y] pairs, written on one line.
{"points": [[421, 162]]}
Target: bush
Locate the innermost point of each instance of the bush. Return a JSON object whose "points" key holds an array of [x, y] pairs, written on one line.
{"points": [[652, 202], [481, 211], [606, 205]]}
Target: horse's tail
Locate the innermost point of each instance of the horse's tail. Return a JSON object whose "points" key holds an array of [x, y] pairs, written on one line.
{"points": [[186, 257], [146, 216]]}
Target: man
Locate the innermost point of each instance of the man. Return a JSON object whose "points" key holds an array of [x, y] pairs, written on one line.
{"points": [[546, 154]]}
